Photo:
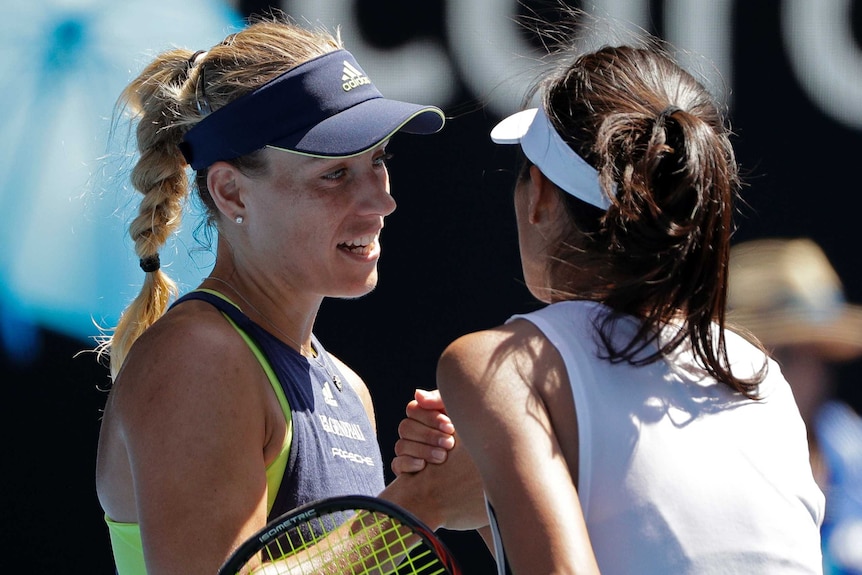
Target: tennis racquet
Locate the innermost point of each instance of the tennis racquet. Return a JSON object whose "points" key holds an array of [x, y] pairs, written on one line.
{"points": [[349, 535]]}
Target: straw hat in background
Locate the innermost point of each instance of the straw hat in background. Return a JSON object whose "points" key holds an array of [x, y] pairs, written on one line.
{"points": [[785, 292]]}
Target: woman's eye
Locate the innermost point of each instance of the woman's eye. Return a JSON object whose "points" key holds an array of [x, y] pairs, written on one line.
{"points": [[338, 173], [382, 159], [335, 174]]}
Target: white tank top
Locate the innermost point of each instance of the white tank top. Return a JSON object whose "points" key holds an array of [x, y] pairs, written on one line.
{"points": [[679, 474]]}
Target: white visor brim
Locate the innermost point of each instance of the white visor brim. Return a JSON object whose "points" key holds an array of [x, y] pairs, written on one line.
{"points": [[549, 152]]}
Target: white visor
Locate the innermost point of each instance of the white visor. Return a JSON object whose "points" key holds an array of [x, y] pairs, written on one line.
{"points": [[546, 149]]}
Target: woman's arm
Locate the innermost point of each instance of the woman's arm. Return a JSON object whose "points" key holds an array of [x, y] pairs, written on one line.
{"points": [[195, 417], [495, 384]]}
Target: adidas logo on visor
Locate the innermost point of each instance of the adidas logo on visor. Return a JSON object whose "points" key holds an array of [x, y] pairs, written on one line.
{"points": [[352, 78]]}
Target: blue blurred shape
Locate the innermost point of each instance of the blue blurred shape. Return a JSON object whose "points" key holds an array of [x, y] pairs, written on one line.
{"points": [[66, 262]]}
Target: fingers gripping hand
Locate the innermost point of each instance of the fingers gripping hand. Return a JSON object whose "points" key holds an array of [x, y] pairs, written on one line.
{"points": [[428, 400], [426, 434]]}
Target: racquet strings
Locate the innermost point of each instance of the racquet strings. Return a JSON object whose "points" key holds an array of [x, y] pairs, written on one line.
{"points": [[367, 543]]}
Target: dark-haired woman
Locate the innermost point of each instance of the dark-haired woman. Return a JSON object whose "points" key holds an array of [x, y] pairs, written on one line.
{"points": [[622, 428]]}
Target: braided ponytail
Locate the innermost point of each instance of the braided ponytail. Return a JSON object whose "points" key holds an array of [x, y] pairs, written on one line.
{"points": [[160, 176]]}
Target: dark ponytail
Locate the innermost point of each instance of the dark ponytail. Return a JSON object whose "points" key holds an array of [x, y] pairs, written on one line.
{"points": [[660, 251]]}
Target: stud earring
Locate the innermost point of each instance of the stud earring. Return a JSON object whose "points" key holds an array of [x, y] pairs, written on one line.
{"points": [[238, 219]]}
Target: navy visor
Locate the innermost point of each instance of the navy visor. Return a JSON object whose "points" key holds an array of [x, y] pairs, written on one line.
{"points": [[325, 107]]}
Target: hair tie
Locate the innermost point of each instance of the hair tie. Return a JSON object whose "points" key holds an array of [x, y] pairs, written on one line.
{"points": [[193, 59], [667, 113], [201, 102], [150, 263]]}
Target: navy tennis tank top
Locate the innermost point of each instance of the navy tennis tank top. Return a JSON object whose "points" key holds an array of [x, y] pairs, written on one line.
{"points": [[334, 450]]}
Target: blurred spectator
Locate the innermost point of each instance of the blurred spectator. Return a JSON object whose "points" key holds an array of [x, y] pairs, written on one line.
{"points": [[786, 293]]}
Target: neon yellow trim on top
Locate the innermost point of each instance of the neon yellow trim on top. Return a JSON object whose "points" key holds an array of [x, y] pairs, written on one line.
{"points": [[127, 547], [275, 470], [126, 544]]}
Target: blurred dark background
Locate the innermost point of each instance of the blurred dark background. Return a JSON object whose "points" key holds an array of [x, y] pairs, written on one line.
{"points": [[450, 261]]}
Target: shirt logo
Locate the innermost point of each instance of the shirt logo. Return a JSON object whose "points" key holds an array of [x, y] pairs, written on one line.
{"points": [[341, 428], [328, 396], [352, 78]]}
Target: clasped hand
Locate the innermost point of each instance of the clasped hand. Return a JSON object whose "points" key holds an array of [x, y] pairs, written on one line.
{"points": [[428, 444]]}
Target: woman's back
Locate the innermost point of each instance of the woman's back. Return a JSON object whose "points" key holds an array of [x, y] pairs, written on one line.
{"points": [[676, 472]]}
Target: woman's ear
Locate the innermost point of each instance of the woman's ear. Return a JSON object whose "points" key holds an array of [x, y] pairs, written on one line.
{"points": [[223, 183], [543, 197]]}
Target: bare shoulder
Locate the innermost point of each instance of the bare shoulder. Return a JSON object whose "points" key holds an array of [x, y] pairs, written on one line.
{"points": [[192, 358], [507, 390], [190, 397], [501, 348], [506, 359]]}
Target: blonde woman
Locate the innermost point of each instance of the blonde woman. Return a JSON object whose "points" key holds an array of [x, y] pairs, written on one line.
{"points": [[225, 409]]}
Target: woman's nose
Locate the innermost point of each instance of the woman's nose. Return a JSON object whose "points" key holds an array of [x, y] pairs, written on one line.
{"points": [[379, 200]]}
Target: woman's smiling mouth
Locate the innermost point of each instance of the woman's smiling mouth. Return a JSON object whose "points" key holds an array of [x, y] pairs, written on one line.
{"points": [[363, 245]]}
